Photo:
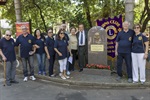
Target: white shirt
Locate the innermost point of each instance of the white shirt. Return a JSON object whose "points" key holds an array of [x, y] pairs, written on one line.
{"points": [[80, 38]]}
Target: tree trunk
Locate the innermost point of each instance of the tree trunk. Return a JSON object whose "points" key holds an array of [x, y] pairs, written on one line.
{"points": [[17, 4], [129, 12]]}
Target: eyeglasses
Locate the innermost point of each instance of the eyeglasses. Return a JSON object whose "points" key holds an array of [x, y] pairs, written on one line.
{"points": [[8, 35], [136, 27]]}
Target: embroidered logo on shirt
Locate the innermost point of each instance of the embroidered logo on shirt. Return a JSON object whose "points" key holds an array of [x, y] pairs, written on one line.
{"points": [[130, 38], [29, 41], [140, 38]]}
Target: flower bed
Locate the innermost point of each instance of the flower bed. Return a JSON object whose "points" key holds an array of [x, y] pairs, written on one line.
{"points": [[97, 66]]}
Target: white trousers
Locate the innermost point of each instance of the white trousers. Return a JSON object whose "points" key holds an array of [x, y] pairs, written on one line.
{"points": [[62, 64], [138, 67]]}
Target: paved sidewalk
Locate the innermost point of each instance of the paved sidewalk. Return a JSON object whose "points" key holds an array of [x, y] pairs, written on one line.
{"points": [[93, 78]]}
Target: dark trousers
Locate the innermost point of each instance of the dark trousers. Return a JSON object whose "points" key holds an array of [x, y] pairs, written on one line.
{"points": [[51, 64], [10, 71], [81, 56], [127, 58], [31, 67], [71, 66]]}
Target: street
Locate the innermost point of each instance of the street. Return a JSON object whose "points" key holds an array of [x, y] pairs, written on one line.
{"points": [[45, 90]]}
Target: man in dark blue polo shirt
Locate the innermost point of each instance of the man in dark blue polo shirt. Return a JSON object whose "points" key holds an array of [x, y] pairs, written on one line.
{"points": [[7, 52], [26, 42], [123, 50]]}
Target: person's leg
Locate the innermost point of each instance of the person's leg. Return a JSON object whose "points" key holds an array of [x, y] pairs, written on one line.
{"points": [[135, 65], [61, 63], [81, 57], [74, 52], [142, 63], [39, 63], [51, 64], [24, 64], [64, 68], [13, 70], [119, 64], [30, 61], [128, 64], [8, 72], [43, 63]]}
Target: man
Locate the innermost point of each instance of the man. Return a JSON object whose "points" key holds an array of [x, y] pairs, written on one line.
{"points": [[26, 42], [82, 47], [7, 52], [123, 50], [64, 28]]}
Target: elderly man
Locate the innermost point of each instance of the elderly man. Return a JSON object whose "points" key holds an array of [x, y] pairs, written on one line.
{"points": [[123, 50], [26, 42], [7, 52]]}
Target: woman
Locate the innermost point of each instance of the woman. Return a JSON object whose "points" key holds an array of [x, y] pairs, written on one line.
{"points": [[40, 52], [73, 47], [50, 51], [139, 55], [61, 48]]}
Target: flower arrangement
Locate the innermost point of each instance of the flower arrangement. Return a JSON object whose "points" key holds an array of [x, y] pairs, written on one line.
{"points": [[97, 66]]}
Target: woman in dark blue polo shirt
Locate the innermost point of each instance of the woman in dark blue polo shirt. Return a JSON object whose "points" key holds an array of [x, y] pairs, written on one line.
{"points": [[40, 52], [61, 48], [139, 55], [50, 51]]}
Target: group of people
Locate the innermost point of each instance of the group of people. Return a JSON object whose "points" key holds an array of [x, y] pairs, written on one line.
{"points": [[60, 46], [132, 46]]}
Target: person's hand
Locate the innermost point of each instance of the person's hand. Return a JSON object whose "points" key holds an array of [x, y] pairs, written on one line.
{"points": [[4, 58], [145, 56], [116, 53], [31, 52], [59, 54], [71, 54], [48, 56]]}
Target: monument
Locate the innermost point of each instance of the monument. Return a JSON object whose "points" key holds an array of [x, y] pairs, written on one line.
{"points": [[97, 46]]}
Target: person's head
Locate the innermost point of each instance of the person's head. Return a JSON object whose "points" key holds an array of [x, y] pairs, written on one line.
{"points": [[61, 34], [50, 32], [63, 26], [24, 29], [125, 25], [37, 33], [73, 30], [81, 27], [8, 34], [137, 28]]}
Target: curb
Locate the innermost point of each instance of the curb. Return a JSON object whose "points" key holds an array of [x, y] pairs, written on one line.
{"points": [[90, 84]]}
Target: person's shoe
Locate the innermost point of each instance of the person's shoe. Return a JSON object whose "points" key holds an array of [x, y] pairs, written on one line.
{"points": [[142, 83], [130, 80], [44, 73], [15, 82], [53, 75], [68, 73], [39, 73], [66, 76], [134, 82], [118, 78], [32, 78], [80, 70], [60, 74], [62, 77], [25, 79], [8, 84]]}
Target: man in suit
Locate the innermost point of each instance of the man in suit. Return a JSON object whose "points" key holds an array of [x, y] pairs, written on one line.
{"points": [[82, 47]]}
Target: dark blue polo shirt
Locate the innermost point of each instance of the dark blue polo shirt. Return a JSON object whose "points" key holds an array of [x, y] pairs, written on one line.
{"points": [[41, 43], [124, 40], [7, 47], [26, 44], [50, 45], [138, 43], [61, 45]]}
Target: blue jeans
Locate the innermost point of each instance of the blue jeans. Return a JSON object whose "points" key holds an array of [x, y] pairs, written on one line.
{"points": [[41, 62]]}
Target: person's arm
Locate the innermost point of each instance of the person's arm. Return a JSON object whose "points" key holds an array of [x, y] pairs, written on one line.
{"points": [[59, 53], [3, 56], [47, 53], [116, 49], [146, 49]]}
